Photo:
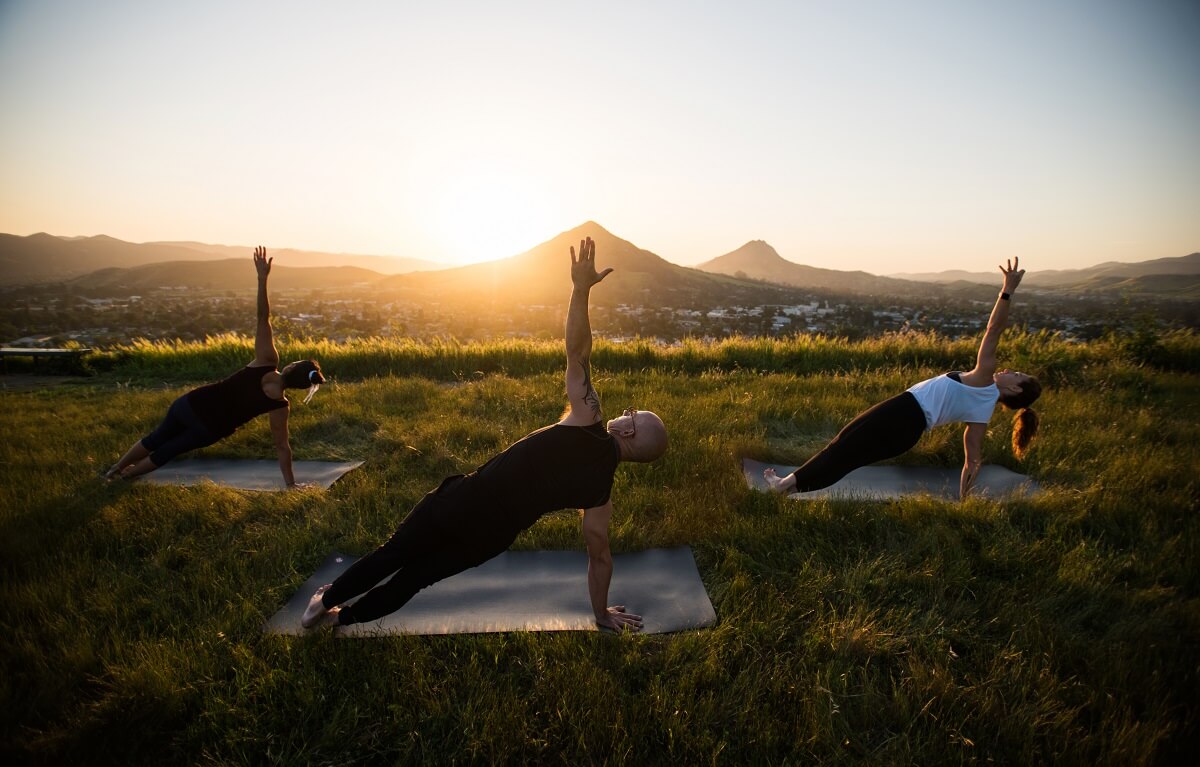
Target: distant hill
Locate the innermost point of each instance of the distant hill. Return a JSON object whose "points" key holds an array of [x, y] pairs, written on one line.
{"points": [[45, 258], [293, 257], [542, 275], [227, 274], [1180, 286], [1109, 275], [759, 261]]}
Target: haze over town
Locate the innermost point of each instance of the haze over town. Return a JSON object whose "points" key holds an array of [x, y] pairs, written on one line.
{"points": [[883, 136]]}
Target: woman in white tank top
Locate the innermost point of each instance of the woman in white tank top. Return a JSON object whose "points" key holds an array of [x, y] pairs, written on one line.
{"points": [[892, 427]]}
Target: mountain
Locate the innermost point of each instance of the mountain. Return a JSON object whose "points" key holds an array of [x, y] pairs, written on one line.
{"points": [[542, 275], [45, 258], [228, 274], [1180, 286], [1109, 275], [759, 261], [293, 257]]}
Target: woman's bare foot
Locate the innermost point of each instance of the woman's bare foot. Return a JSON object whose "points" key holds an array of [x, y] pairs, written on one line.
{"points": [[316, 614]]}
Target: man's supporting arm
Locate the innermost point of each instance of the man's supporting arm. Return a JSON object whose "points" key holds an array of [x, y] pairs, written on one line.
{"points": [[600, 567]]}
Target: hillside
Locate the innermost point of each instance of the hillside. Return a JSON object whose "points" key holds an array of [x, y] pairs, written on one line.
{"points": [[759, 261], [541, 275], [45, 258], [228, 274], [1055, 629], [1109, 273], [309, 258]]}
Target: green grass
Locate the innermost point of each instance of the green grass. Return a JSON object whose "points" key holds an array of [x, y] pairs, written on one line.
{"points": [[1060, 629]]}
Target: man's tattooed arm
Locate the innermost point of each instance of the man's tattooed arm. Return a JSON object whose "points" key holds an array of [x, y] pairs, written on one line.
{"points": [[585, 402], [590, 397]]}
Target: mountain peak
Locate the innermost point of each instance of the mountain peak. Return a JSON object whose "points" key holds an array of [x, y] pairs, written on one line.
{"points": [[589, 228], [754, 256]]}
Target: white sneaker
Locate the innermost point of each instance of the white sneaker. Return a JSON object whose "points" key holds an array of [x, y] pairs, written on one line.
{"points": [[315, 610]]}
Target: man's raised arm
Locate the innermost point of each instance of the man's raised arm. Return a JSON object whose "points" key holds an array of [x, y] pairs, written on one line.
{"points": [[585, 403]]}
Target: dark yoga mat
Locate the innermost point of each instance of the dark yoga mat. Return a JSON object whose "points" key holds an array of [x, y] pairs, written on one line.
{"points": [[247, 475], [891, 482], [530, 591]]}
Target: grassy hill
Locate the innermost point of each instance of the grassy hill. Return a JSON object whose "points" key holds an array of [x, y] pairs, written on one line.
{"points": [[1059, 629]]}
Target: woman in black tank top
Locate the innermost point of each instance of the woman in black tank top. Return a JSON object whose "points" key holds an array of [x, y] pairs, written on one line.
{"points": [[214, 411]]}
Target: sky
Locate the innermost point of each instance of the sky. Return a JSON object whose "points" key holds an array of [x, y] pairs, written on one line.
{"points": [[892, 137]]}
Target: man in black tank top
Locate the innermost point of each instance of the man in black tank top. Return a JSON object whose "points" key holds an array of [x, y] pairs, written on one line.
{"points": [[471, 518]]}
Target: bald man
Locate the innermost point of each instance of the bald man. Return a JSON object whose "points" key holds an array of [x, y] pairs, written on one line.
{"points": [[469, 519]]}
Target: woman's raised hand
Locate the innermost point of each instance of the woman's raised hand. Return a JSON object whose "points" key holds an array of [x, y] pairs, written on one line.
{"points": [[1012, 275], [261, 263]]}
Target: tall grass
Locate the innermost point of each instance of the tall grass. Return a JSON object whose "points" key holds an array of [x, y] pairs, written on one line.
{"points": [[447, 359], [1057, 629]]}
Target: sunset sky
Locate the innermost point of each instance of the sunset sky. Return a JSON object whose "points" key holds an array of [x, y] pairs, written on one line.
{"points": [[885, 136]]}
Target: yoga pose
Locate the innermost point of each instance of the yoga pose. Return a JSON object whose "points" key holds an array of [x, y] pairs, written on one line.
{"points": [[469, 519], [892, 427], [213, 412]]}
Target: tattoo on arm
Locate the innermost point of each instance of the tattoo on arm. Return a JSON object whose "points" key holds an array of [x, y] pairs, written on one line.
{"points": [[590, 397]]}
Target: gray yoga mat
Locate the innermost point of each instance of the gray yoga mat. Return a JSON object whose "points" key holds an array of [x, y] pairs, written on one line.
{"points": [[529, 591], [247, 475], [891, 482]]}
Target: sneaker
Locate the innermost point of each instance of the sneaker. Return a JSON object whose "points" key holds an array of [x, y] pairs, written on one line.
{"points": [[316, 610]]}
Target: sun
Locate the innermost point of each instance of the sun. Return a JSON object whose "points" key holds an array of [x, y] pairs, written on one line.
{"points": [[485, 215]]}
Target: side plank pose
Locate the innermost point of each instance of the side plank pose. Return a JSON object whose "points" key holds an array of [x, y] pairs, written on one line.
{"points": [[893, 427], [469, 519], [214, 411]]}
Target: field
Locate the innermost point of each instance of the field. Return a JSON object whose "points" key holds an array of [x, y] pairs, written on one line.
{"points": [[1063, 629]]}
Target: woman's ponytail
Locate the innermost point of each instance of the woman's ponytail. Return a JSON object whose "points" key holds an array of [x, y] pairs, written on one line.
{"points": [[1025, 426]]}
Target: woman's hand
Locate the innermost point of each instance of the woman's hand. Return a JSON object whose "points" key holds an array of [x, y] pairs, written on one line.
{"points": [[261, 263], [1012, 275]]}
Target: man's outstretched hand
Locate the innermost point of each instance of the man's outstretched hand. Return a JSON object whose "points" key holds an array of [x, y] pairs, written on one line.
{"points": [[583, 269], [618, 620]]}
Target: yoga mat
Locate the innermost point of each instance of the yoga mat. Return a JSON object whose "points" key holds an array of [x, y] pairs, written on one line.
{"points": [[247, 475], [529, 591], [891, 482]]}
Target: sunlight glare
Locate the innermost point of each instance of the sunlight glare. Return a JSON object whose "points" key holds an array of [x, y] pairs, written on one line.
{"points": [[485, 215]]}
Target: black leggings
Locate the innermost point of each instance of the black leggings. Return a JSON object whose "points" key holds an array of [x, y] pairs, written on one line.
{"points": [[179, 432], [422, 551], [885, 431]]}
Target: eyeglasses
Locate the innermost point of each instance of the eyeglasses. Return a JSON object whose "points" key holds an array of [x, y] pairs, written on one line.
{"points": [[631, 412]]}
